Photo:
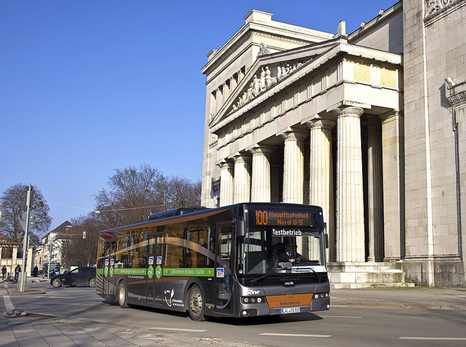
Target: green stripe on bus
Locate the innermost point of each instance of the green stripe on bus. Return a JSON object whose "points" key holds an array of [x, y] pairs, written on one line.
{"points": [[200, 272], [130, 271]]}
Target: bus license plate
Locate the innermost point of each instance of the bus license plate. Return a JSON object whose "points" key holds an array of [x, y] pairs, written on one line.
{"points": [[291, 310]]}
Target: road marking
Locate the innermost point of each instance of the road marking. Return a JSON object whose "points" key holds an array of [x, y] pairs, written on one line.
{"points": [[294, 335], [351, 317], [179, 329], [8, 304], [433, 338]]}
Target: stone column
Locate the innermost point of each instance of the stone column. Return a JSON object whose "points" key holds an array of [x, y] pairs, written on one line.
{"points": [[293, 166], [226, 183], [375, 190], [393, 185], [242, 183], [350, 197], [321, 172], [233, 82], [226, 90], [219, 98], [240, 76], [260, 182]]}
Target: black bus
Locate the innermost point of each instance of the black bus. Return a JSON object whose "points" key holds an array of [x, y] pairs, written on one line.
{"points": [[229, 261]]}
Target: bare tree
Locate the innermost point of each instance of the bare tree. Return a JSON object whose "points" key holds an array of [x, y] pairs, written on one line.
{"points": [[183, 193], [13, 205], [79, 251], [134, 193]]}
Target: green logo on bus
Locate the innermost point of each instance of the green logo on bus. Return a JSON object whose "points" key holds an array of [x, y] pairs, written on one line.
{"points": [[150, 272], [158, 272]]}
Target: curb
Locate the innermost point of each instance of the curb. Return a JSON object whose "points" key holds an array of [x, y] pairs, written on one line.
{"points": [[336, 301]]}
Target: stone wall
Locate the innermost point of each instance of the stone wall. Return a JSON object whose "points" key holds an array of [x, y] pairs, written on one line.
{"points": [[434, 49]]}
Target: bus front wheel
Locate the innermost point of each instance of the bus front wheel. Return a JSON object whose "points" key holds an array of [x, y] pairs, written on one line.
{"points": [[122, 295], [196, 303]]}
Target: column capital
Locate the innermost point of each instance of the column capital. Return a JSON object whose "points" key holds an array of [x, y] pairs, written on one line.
{"points": [[293, 134], [261, 149], [345, 111], [224, 164], [318, 121], [241, 157]]}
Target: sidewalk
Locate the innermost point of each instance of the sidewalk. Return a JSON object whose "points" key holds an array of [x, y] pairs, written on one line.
{"points": [[416, 297], [38, 329], [41, 330]]}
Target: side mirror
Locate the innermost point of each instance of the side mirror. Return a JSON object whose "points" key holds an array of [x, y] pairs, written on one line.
{"points": [[240, 228]]}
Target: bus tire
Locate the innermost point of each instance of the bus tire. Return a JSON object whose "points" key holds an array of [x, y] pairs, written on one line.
{"points": [[196, 303], [122, 295]]}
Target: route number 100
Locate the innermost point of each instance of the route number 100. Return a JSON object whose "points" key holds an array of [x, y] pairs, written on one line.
{"points": [[262, 218]]}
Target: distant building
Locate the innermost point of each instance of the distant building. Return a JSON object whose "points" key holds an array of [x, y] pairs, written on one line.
{"points": [[370, 125], [50, 248], [11, 255]]}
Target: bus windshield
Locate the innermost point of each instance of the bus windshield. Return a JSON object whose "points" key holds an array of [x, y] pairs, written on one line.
{"points": [[271, 250]]}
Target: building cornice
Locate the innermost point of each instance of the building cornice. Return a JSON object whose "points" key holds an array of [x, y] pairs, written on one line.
{"points": [[381, 17], [338, 47], [270, 27]]}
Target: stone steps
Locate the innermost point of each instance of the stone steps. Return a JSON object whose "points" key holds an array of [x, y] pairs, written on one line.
{"points": [[367, 275]]}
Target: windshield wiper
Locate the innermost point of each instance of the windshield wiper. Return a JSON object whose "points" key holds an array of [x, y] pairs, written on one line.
{"points": [[254, 280], [319, 277]]}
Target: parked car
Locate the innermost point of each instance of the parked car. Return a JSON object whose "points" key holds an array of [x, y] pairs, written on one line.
{"points": [[81, 276]]}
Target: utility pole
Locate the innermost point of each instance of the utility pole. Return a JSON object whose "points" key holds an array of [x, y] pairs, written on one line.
{"points": [[26, 236]]}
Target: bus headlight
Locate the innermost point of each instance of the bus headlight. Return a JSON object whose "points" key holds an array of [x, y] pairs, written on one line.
{"points": [[253, 299], [321, 295]]}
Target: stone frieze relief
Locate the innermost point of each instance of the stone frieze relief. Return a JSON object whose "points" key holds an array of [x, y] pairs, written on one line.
{"points": [[265, 80], [434, 6]]}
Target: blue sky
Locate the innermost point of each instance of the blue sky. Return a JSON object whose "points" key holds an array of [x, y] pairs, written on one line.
{"points": [[90, 86]]}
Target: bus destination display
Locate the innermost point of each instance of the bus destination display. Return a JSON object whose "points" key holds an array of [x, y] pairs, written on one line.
{"points": [[282, 218]]}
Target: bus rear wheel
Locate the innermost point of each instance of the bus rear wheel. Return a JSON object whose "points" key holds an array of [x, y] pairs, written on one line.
{"points": [[196, 304], [122, 295]]}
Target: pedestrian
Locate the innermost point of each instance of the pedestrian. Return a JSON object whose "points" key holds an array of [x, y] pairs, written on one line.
{"points": [[3, 272], [35, 271], [17, 271]]}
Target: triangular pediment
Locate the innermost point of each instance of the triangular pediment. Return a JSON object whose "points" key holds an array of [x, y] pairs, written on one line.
{"points": [[268, 72]]}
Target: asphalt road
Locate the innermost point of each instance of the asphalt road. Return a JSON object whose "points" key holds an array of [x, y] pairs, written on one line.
{"points": [[340, 326]]}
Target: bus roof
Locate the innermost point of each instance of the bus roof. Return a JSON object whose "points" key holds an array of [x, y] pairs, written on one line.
{"points": [[175, 212], [169, 217]]}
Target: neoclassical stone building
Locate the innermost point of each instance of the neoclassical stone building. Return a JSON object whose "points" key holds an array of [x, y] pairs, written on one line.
{"points": [[370, 125]]}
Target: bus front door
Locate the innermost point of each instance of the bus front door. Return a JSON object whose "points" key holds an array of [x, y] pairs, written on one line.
{"points": [[154, 278], [223, 277]]}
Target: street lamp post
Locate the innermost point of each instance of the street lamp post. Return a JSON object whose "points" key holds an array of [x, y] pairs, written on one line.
{"points": [[26, 236]]}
